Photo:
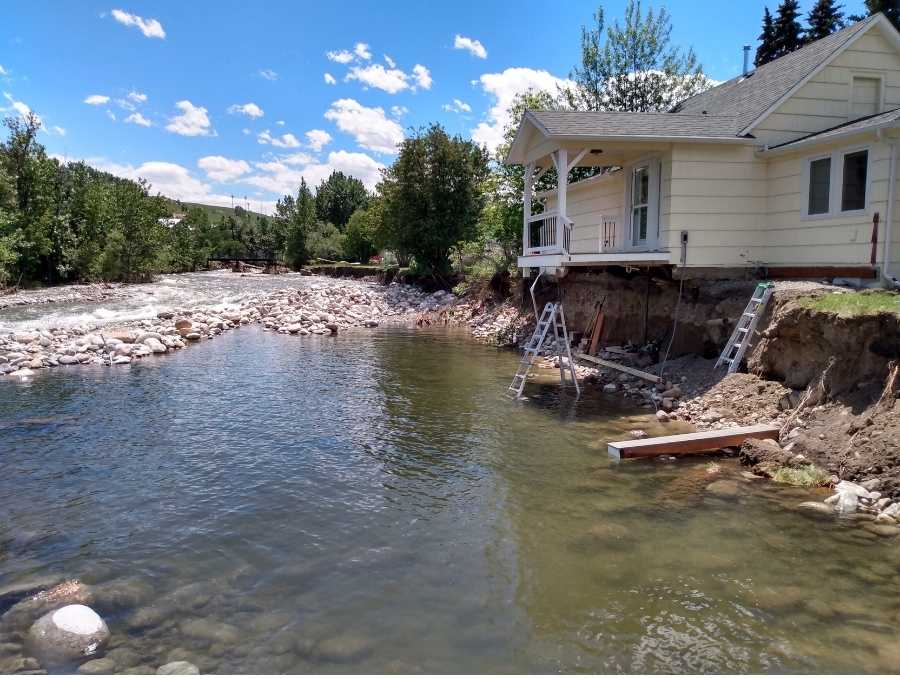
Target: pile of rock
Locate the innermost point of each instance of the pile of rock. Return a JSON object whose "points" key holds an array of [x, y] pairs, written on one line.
{"points": [[322, 308]]}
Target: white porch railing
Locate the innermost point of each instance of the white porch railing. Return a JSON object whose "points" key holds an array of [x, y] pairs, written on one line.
{"points": [[547, 233], [612, 234]]}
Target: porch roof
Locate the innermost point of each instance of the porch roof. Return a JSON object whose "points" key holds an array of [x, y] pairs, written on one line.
{"points": [[617, 127]]}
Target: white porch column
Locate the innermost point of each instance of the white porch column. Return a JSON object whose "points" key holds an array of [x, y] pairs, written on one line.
{"points": [[526, 205], [562, 172]]}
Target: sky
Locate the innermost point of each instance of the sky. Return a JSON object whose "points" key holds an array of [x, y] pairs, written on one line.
{"points": [[209, 100]]}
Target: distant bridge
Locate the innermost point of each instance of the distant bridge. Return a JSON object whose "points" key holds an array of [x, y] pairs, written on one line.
{"points": [[266, 261]]}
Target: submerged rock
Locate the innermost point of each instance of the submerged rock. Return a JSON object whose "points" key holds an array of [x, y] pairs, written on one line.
{"points": [[69, 633], [177, 669], [724, 488], [344, 648], [97, 667]]}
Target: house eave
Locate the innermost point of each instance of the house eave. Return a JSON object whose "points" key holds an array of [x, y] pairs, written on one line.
{"points": [[792, 146]]}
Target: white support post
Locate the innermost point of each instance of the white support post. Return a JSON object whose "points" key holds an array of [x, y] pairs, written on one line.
{"points": [[562, 165], [526, 205]]}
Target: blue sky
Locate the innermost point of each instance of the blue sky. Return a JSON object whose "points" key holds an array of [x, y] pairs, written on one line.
{"points": [[210, 99]]}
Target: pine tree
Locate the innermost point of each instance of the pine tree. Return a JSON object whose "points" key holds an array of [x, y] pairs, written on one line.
{"points": [[890, 8], [824, 19], [766, 50], [788, 33]]}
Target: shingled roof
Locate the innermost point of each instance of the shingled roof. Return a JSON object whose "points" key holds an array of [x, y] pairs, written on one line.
{"points": [[592, 124], [872, 122], [748, 97]]}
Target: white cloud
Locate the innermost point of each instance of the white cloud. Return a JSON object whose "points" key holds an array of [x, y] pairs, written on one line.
{"points": [[390, 62], [458, 106], [56, 129], [125, 104], [280, 123], [284, 141], [399, 111], [19, 107], [317, 139], [473, 47], [283, 177], [138, 119], [268, 74], [246, 130], [137, 97], [369, 126], [96, 100], [249, 109], [503, 88], [329, 79], [340, 56], [110, 115], [361, 50], [220, 168], [375, 75], [3, 71], [151, 28], [193, 121], [423, 76], [298, 159], [172, 180]]}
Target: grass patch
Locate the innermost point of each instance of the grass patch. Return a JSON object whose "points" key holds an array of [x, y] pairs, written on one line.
{"points": [[870, 302], [802, 476]]}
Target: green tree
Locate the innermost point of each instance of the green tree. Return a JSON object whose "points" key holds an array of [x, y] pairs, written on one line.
{"points": [[338, 197], [788, 34], [433, 197], [635, 68], [766, 50], [890, 8], [824, 19], [359, 233]]}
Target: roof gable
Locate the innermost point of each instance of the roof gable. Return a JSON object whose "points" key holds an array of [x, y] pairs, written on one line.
{"points": [[754, 97]]}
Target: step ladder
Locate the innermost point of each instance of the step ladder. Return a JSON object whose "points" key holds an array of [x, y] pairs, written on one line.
{"points": [[743, 333], [552, 316]]}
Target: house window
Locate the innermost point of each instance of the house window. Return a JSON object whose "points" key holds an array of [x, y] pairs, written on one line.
{"points": [[865, 96], [640, 202], [853, 186], [837, 183], [819, 185]]}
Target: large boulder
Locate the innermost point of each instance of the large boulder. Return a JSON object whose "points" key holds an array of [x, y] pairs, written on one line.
{"points": [[68, 634]]}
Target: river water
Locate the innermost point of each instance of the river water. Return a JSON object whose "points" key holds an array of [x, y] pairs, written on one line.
{"points": [[373, 503]]}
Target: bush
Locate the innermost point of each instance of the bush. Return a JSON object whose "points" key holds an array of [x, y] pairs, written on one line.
{"points": [[324, 241]]}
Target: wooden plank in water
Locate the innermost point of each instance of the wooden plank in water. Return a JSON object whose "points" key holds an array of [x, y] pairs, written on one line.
{"points": [[688, 443], [616, 366]]}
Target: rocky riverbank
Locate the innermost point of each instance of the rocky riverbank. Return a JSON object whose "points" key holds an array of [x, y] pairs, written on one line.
{"points": [[323, 307], [88, 293]]}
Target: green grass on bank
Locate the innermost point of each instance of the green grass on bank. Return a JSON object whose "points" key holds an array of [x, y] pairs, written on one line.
{"points": [[869, 302], [803, 476]]}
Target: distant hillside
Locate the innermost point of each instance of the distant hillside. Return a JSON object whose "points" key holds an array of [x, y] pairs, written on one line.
{"points": [[214, 211]]}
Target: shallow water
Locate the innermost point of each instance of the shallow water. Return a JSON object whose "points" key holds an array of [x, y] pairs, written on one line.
{"points": [[373, 503], [220, 289]]}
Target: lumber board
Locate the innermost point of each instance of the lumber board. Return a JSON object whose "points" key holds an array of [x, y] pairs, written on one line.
{"points": [[616, 366], [598, 330], [689, 443]]}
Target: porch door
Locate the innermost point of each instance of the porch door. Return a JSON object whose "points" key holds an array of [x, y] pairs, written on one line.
{"points": [[644, 201]]}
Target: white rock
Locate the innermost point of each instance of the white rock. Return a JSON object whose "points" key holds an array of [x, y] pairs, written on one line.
{"points": [[69, 633]]}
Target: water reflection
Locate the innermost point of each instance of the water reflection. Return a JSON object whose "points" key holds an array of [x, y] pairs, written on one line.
{"points": [[374, 503]]}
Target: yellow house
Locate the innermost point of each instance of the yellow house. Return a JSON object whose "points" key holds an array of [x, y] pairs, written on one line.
{"points": [[790, 170]]}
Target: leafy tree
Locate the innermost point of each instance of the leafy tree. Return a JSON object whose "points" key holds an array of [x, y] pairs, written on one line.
{"points": [[788, 34], [824, 19], [325, 241], [433, 196], [359, 233], [635, 68], [766, 50], [338, 197]]}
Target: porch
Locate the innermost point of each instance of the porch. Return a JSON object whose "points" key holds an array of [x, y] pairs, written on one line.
{"points": [[609, 218]]}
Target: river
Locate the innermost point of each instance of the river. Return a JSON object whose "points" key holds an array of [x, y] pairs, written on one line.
{"points": [[373, 503]]}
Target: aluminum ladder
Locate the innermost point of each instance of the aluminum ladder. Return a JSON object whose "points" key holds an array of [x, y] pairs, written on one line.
{"points": [[552, 316], [737, 345]]}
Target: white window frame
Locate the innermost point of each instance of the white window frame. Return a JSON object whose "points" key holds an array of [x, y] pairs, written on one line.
{"points": [[871, 75], [654, 221], [836, 184]]}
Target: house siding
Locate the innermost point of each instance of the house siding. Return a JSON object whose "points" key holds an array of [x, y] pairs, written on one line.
{"points": [[826, 241], [718, 195], [824, 101]]}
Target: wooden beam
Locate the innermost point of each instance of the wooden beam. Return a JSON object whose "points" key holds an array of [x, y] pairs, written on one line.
{"points": [[688, 443], [616, 366], [577, 159]]}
